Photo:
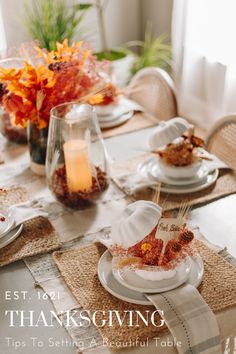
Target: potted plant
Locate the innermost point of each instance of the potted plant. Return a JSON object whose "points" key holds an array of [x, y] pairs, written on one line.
{"points": [[50, 22], [151, 52]]}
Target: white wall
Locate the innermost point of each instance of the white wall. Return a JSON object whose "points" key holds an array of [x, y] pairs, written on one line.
{"points": [[125, 20], [2, 33], [121, 21], [159, 13], [12, 15]]}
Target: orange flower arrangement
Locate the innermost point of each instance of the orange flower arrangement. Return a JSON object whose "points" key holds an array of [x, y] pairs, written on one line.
{"points": [[65, 75]]}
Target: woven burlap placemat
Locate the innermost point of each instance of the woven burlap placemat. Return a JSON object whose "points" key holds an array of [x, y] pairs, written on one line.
{"points": [[225, 185], [79, 269], [37, 237], [218, 287]]}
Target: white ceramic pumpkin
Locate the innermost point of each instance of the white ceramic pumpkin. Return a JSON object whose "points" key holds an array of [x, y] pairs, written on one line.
{"points": [[135, 222], [167, 132]]}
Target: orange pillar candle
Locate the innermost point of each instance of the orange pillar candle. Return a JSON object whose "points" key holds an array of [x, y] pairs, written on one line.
{"points": [[78, 169]]}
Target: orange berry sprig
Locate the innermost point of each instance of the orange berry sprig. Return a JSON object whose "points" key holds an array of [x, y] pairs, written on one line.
{"points": [[150, 249], [171, 252], [185, 237]]}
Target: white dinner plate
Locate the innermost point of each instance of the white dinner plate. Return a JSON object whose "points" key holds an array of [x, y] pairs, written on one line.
{"points": [[131, 280], [6, 225], [196, 186], [111, 118], [110, 283], [11, 236], [111, 123], [150, 168]]}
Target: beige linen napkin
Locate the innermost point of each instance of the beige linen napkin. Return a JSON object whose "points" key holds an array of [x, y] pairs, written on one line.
{"points": [[26, 211], [189, 319]]}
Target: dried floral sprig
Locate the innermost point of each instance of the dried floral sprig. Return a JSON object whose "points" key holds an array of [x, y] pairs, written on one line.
{"points": [[183, 210], [157, 192]]}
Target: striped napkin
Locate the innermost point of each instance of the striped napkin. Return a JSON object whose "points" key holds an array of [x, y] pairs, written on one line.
{"points": [[189, 319]]}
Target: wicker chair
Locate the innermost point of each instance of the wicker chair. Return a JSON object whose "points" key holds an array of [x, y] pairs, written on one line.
{"points": [[153, 89], [221, 140]]}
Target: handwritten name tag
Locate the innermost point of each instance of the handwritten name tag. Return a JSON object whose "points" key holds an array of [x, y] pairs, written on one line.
{"points": [[168, 228]]}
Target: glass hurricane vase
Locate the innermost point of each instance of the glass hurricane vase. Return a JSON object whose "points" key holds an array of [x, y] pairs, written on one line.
{"points": [[76, 165], [8, 128]]}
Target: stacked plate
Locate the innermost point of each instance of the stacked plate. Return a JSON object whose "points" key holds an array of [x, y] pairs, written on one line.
{"points": [[116, 113], [112, 120], [8, 231], [152, 171], [128, 286]]}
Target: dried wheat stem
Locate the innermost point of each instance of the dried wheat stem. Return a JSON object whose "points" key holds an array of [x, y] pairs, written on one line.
{"points": [[157, 192]]}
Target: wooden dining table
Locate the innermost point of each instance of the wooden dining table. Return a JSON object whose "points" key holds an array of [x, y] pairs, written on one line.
{"points": [[217, 221]]}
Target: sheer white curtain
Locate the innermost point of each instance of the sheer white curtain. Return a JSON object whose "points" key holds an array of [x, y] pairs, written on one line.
{"points": [[204, 49], [3, 44]]}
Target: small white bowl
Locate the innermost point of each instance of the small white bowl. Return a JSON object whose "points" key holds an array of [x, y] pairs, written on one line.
{"points": [[180, 172], [105, 110], [152, 273], [155, 275]]}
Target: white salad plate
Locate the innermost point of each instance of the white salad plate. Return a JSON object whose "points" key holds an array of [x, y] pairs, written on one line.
{"points": [[113, 121], [203, 180], [11, 236], [196, 187], [6, 225], [150, 167], [111, 284], [130, 279]]}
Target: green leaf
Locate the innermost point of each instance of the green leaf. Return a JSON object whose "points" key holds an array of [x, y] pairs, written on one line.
{"points": [[51, 21], [82, 7], [152, 51]]}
